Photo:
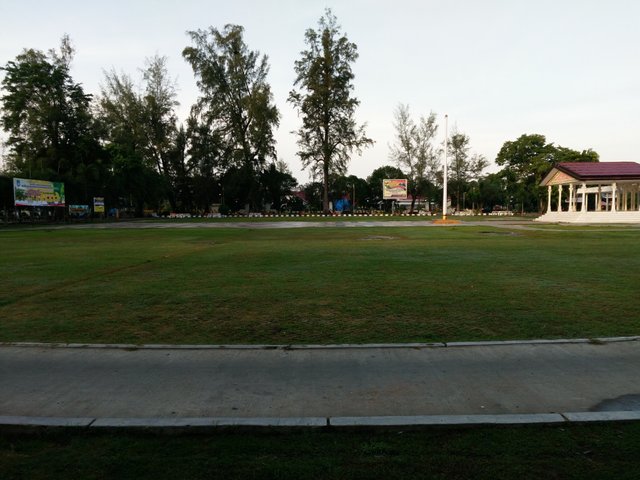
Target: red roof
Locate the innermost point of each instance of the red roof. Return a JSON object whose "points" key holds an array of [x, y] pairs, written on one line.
{"points": [[600, 170], [300, 194]]}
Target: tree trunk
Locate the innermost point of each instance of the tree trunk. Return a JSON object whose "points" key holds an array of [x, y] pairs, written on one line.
{"points": [[325, 187]]}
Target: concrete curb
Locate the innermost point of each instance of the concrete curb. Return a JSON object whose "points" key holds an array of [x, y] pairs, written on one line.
{"points": [[126, 346], [433, 420], [602, 416], [594, 341], [211, 422], [22, 423], [62, 422]]}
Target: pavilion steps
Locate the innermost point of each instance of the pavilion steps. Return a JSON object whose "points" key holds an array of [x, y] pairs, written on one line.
{"points": [[590, 217]]}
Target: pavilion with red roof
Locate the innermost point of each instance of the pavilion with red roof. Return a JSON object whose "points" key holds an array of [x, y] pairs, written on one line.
{"points": [[606, 192]]}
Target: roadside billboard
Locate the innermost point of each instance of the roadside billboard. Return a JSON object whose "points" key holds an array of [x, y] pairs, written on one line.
{"points": [[98, 204], [37, 193], [79, 211], [394, 189]]}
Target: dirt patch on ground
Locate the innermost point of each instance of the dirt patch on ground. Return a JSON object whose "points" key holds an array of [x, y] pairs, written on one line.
{"points": [[379, 237], [508, 234]]}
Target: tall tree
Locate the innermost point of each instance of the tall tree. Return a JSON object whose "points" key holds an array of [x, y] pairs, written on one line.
{"points": [[329, 133], [122, 115], [159, 118], [236, 101], [139, 125], [48, 119], [464, 168], [414, 151], [204, 167]]}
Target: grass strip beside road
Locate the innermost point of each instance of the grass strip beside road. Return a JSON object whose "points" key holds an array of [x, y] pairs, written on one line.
{"points": [[524, 452], [329, 285]]}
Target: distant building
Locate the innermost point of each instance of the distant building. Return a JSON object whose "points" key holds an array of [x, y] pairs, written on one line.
{"points": [[585, 192]]}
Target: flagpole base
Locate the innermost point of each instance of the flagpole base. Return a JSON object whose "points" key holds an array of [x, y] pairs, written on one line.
{"points": [[446, 221]]}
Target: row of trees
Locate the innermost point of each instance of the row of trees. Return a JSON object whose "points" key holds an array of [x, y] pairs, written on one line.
{"points": [[524, 161], [418, 155], [127, 144]]}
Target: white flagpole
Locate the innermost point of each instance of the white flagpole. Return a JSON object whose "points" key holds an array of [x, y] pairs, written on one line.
{"points": [[446, 145]]}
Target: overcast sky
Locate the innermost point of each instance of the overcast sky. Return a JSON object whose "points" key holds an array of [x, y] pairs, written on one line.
{"points": [[567, 69]]}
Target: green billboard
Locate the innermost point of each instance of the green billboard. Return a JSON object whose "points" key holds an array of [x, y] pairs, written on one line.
{"points": [[37, 193]]}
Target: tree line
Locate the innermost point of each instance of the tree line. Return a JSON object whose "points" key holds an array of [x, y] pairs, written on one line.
{"points": [[127, 144]]}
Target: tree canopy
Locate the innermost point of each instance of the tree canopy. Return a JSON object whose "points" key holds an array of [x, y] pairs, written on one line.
{"points": [[236, 105], [465, 167], [527, 160], [138, 129], [128, 145], [414, 151], [47, 115], [325, 101]]}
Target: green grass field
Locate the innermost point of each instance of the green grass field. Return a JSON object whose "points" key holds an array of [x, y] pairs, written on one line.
{"points": [[317, 285], [552, 452]]}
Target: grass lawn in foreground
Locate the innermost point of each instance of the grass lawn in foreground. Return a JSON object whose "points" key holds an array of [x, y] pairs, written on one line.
{"points": [[317, 285], [532, 452]]}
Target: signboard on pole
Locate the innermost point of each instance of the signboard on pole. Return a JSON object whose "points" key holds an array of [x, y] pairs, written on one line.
{"points": [[394, 189], [37, 193], [98, 204], [79, 211]]}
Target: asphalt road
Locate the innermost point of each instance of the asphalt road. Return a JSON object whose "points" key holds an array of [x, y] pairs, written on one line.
{"points": [[453, 380]]}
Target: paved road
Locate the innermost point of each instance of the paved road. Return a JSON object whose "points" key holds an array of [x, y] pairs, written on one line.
{"points": [[454, 380]]}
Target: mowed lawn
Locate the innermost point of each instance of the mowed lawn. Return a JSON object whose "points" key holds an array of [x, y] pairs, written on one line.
{"points": [[317, 285], [603, 451]]}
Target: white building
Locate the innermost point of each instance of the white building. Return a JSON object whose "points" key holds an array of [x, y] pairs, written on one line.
{"points": [[585, 192]]}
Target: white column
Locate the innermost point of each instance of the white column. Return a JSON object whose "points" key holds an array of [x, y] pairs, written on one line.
{"points": [[599, 199], [559, 198], [625, 199], [614, 196], [618, 201], [572, 207], [620, 196], [549, 198], [584, 197]]}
